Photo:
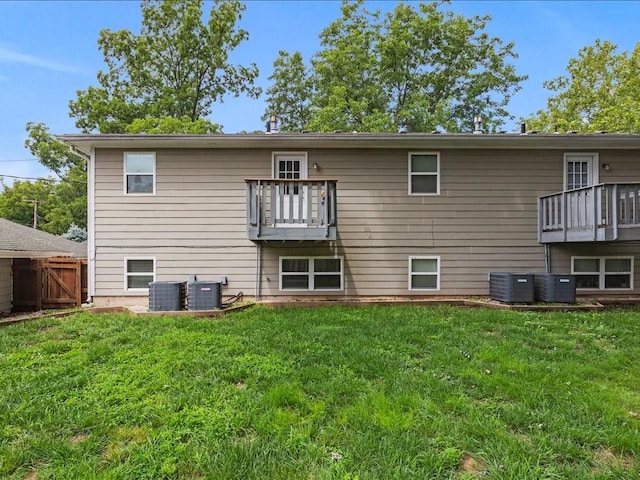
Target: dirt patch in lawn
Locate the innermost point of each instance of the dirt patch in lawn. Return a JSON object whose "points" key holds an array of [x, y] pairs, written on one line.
{"points": [[79, 437], [470, 465], [604, 457]]}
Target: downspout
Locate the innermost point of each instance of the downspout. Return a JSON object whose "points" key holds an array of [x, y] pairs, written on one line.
{"points": [[90, 158], [258, 269], [91, 226], [547, 258]]}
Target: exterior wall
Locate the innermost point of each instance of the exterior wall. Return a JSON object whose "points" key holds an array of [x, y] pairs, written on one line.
{"points": [[483, 220], [6, 285], [194, 224]]}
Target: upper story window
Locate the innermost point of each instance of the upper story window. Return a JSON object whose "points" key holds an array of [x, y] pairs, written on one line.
{"points": [[140, 173], [424, 173]]}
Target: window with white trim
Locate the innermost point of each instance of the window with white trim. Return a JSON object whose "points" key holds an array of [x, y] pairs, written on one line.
{"points": [[139, 273], [424, 273], [139, 173], [424, 173], [311, 273], [603, 273]]}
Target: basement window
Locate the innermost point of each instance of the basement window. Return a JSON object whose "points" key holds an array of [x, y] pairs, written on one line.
{"points": [[603, 273], [139, 173], [424, 273], [139, 273], [311, 273]]}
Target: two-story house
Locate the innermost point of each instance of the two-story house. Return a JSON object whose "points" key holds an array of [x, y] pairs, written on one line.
{"points": [[352, 215]]}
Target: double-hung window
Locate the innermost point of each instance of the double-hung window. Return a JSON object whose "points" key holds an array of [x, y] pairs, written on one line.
{"points": [[424, 273], [603, 273], [311, 273], [424, 173], [139, 272], [140, 173]]}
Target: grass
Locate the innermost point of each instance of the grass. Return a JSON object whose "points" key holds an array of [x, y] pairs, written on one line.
{"points": [[343, 393]]}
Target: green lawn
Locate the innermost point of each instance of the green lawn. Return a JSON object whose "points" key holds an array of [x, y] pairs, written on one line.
{"points": [[325, 393]]}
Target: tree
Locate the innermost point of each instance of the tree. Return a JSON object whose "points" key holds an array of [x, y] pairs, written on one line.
{"points": [[441, 69], [154, 125], [601, 92], [66, 203], [23, 200], [76, 234], [415, 68], [290, 95], [178, 66], [348, 93]]}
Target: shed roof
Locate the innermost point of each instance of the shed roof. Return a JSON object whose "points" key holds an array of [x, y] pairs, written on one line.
{"points": [[20, 241]]}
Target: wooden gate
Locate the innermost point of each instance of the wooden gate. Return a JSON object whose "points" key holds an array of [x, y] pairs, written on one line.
{"points": [[48, 283]]}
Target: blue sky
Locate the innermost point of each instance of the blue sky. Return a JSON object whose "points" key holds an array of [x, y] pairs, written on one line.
{"points": [[48, 51]]}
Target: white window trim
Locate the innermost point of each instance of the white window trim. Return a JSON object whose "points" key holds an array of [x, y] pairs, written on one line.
{"points": [[595, 166], [124, 168], [311, 274], [602, 273], [127, 274], [304, 167], [437, 173], [437, 272]]}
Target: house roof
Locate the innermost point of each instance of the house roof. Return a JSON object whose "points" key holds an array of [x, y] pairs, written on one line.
{"points": [[87, 142], [20, 241]]}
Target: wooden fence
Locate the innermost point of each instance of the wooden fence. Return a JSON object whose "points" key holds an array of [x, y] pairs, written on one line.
{"points": [[42, 284]]}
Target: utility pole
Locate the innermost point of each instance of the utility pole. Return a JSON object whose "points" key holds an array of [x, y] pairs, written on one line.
{"points": [[35, 212]]}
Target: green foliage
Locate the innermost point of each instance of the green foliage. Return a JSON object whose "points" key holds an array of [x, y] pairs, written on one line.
{"points": [[66, 201], [60, 203], [154, 125], [414, 68], [76, 234], [601, 92], [326, 393], [50, 152], [178, 66], [290, 94], [17, 201]]}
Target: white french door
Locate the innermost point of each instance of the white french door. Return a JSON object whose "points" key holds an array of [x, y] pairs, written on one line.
{"points": [[291, 166], [581, 171]]}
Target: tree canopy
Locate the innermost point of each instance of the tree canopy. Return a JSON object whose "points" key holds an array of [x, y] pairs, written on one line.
{"points": [[413, 68], [600, 92], [177, 67]]}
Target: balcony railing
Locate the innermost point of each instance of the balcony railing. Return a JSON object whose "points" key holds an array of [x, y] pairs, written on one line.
{"points": [[300, 209], [600, 213]]}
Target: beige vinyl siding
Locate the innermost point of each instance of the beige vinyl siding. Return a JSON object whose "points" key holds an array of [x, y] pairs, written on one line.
{"points": [[6, 285], [195, 224], [483, 220]]}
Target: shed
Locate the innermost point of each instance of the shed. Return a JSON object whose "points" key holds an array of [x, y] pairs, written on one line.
{"points": [[25, 254]]}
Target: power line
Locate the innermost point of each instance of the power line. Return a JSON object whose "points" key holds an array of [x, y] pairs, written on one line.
{"points": [[11, 160], [48, 180], [27, 178]]}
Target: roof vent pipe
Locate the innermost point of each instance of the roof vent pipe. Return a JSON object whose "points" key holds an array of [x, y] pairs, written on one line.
{"points": [[477, 121], [523, 128], [272, 125]]}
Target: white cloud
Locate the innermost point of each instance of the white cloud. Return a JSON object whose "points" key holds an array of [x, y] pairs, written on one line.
{"points": [[11, 56]]}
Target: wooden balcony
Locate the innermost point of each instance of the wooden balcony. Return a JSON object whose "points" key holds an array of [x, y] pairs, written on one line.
{"points": [[300, 209], [606, 212]]}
